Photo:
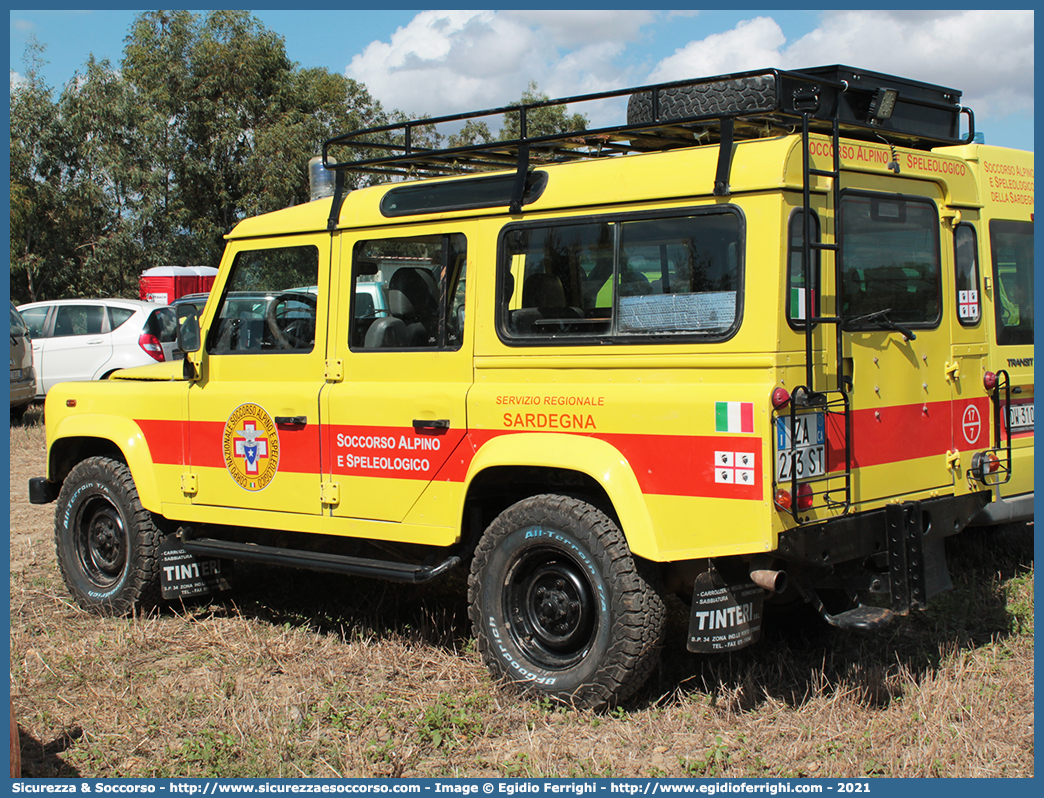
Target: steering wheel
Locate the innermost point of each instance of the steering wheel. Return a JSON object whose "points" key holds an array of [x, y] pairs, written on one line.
{"points": [[297, 332]]}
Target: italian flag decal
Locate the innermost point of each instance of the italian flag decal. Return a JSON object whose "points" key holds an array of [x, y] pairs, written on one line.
{"points": [[733, 416]]}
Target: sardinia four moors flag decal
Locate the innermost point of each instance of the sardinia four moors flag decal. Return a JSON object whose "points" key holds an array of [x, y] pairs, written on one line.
{"points": [[733, 416]]}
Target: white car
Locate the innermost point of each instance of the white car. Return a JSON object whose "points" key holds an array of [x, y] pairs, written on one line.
{"points": [[89, 339]]}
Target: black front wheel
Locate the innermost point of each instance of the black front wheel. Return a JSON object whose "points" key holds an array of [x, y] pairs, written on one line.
{"points": [[559, 605], [106, 542]]}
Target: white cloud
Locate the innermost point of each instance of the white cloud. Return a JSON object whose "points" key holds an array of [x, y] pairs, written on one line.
{"points": [[445, 62], [988, 55], [752, 44], [16, 80], [449, 61]]}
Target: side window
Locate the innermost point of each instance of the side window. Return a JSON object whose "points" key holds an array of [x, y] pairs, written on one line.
{"points": [[34, 319], [1012, 246], [118, 316], [626, 280], [890, 260], [966, 277], [269, 303], [796, 295], [408, 293], [79, 320]]}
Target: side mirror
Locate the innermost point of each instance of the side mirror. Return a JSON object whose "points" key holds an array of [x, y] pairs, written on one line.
{"points": [[188, 329]]}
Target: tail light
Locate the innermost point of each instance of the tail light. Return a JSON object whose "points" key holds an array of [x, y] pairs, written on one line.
{"points": [[804, 496], [151, 345]]}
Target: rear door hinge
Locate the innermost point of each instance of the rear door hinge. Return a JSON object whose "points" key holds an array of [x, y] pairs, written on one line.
{"points": [[953, 371], [330, 493], [334, 370], [953, 459], [188, 484]]}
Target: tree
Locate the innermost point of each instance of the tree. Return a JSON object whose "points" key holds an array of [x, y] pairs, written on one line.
{"points": [[205, 122], [540, 121]]}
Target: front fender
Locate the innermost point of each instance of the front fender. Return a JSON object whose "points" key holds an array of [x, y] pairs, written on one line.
{"points": [[597, 459], [123, 433]]}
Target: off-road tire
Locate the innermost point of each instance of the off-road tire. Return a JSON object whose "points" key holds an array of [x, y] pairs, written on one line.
{"points": [[559, 606], [719, 98], [106, 542]]}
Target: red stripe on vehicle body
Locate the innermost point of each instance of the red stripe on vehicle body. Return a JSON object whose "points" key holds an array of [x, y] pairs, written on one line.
{"points": [[672, 465]]}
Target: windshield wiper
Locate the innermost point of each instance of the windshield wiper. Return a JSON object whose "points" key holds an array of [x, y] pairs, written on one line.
{"points": [[879, 317]]}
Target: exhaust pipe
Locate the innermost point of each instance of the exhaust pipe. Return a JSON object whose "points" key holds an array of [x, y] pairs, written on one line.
{"points": [[762, 575]]}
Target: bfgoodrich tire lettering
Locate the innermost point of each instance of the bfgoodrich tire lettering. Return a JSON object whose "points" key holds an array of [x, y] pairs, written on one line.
{"points": [[106, 542], [559, 605]]}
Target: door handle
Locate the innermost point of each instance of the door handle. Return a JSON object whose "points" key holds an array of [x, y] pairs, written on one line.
{"points": [[291, 421], [433, 423]]}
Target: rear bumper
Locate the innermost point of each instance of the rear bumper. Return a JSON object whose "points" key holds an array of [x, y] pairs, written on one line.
{"points": [[862, 535], [23, 393], [1006, 511]]}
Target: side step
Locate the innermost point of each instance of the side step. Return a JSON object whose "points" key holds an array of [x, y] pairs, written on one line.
{"points": [[318, 561], [862, 617]]}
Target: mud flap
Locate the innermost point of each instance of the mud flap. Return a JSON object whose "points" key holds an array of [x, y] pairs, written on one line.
{"points": [[183, 575], [726, 612]]}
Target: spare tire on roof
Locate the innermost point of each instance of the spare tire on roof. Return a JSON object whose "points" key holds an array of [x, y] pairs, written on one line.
{"points": [[753, 95]]}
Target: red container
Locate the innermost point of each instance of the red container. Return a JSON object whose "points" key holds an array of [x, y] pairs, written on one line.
{"points": [[164, 284]]}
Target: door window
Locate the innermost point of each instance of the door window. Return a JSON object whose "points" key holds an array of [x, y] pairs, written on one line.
{"points": [[79, 320], [34, 319], [1012, 247], [409, 293], [890, 262], [269, 303]]}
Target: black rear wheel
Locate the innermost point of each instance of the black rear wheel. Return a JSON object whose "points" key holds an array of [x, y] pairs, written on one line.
{"points": [[560, 606]]}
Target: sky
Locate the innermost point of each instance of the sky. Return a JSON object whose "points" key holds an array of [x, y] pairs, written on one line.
{"points": [[432, 63]]}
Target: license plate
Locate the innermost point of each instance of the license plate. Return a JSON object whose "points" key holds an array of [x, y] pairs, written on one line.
{"points": [[805, 453], [1020, 418]]}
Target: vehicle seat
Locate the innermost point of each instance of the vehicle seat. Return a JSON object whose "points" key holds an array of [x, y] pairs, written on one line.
{"points": [[386, 332], [413, 298], [543, 297]]}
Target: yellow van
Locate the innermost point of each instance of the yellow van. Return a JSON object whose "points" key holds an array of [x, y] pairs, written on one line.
{"points": [[769, 339]]}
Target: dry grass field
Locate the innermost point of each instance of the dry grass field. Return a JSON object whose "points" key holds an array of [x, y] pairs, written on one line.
{"points": [[300, 674]]}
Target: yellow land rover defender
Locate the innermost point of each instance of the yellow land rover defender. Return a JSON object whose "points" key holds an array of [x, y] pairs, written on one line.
{"points": [[768, 338]]}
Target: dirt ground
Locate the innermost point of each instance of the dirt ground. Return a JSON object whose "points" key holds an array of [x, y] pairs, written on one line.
{"points": [[301, 674]]}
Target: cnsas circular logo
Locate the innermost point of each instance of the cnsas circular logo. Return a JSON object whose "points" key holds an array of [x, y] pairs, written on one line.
{"points": [[251, 447]]}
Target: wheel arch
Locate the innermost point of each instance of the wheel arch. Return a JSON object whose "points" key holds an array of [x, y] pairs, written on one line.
{"points": [[75, 438], [520, 465]]}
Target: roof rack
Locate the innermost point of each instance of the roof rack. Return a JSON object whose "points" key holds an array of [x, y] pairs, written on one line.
{"points": [[867, 105]]}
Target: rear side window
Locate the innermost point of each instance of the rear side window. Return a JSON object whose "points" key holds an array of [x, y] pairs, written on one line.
{"points": [[118, 316], [623, 280], [1012, 246], [797, 297], [966, 277], [890, 260]]}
